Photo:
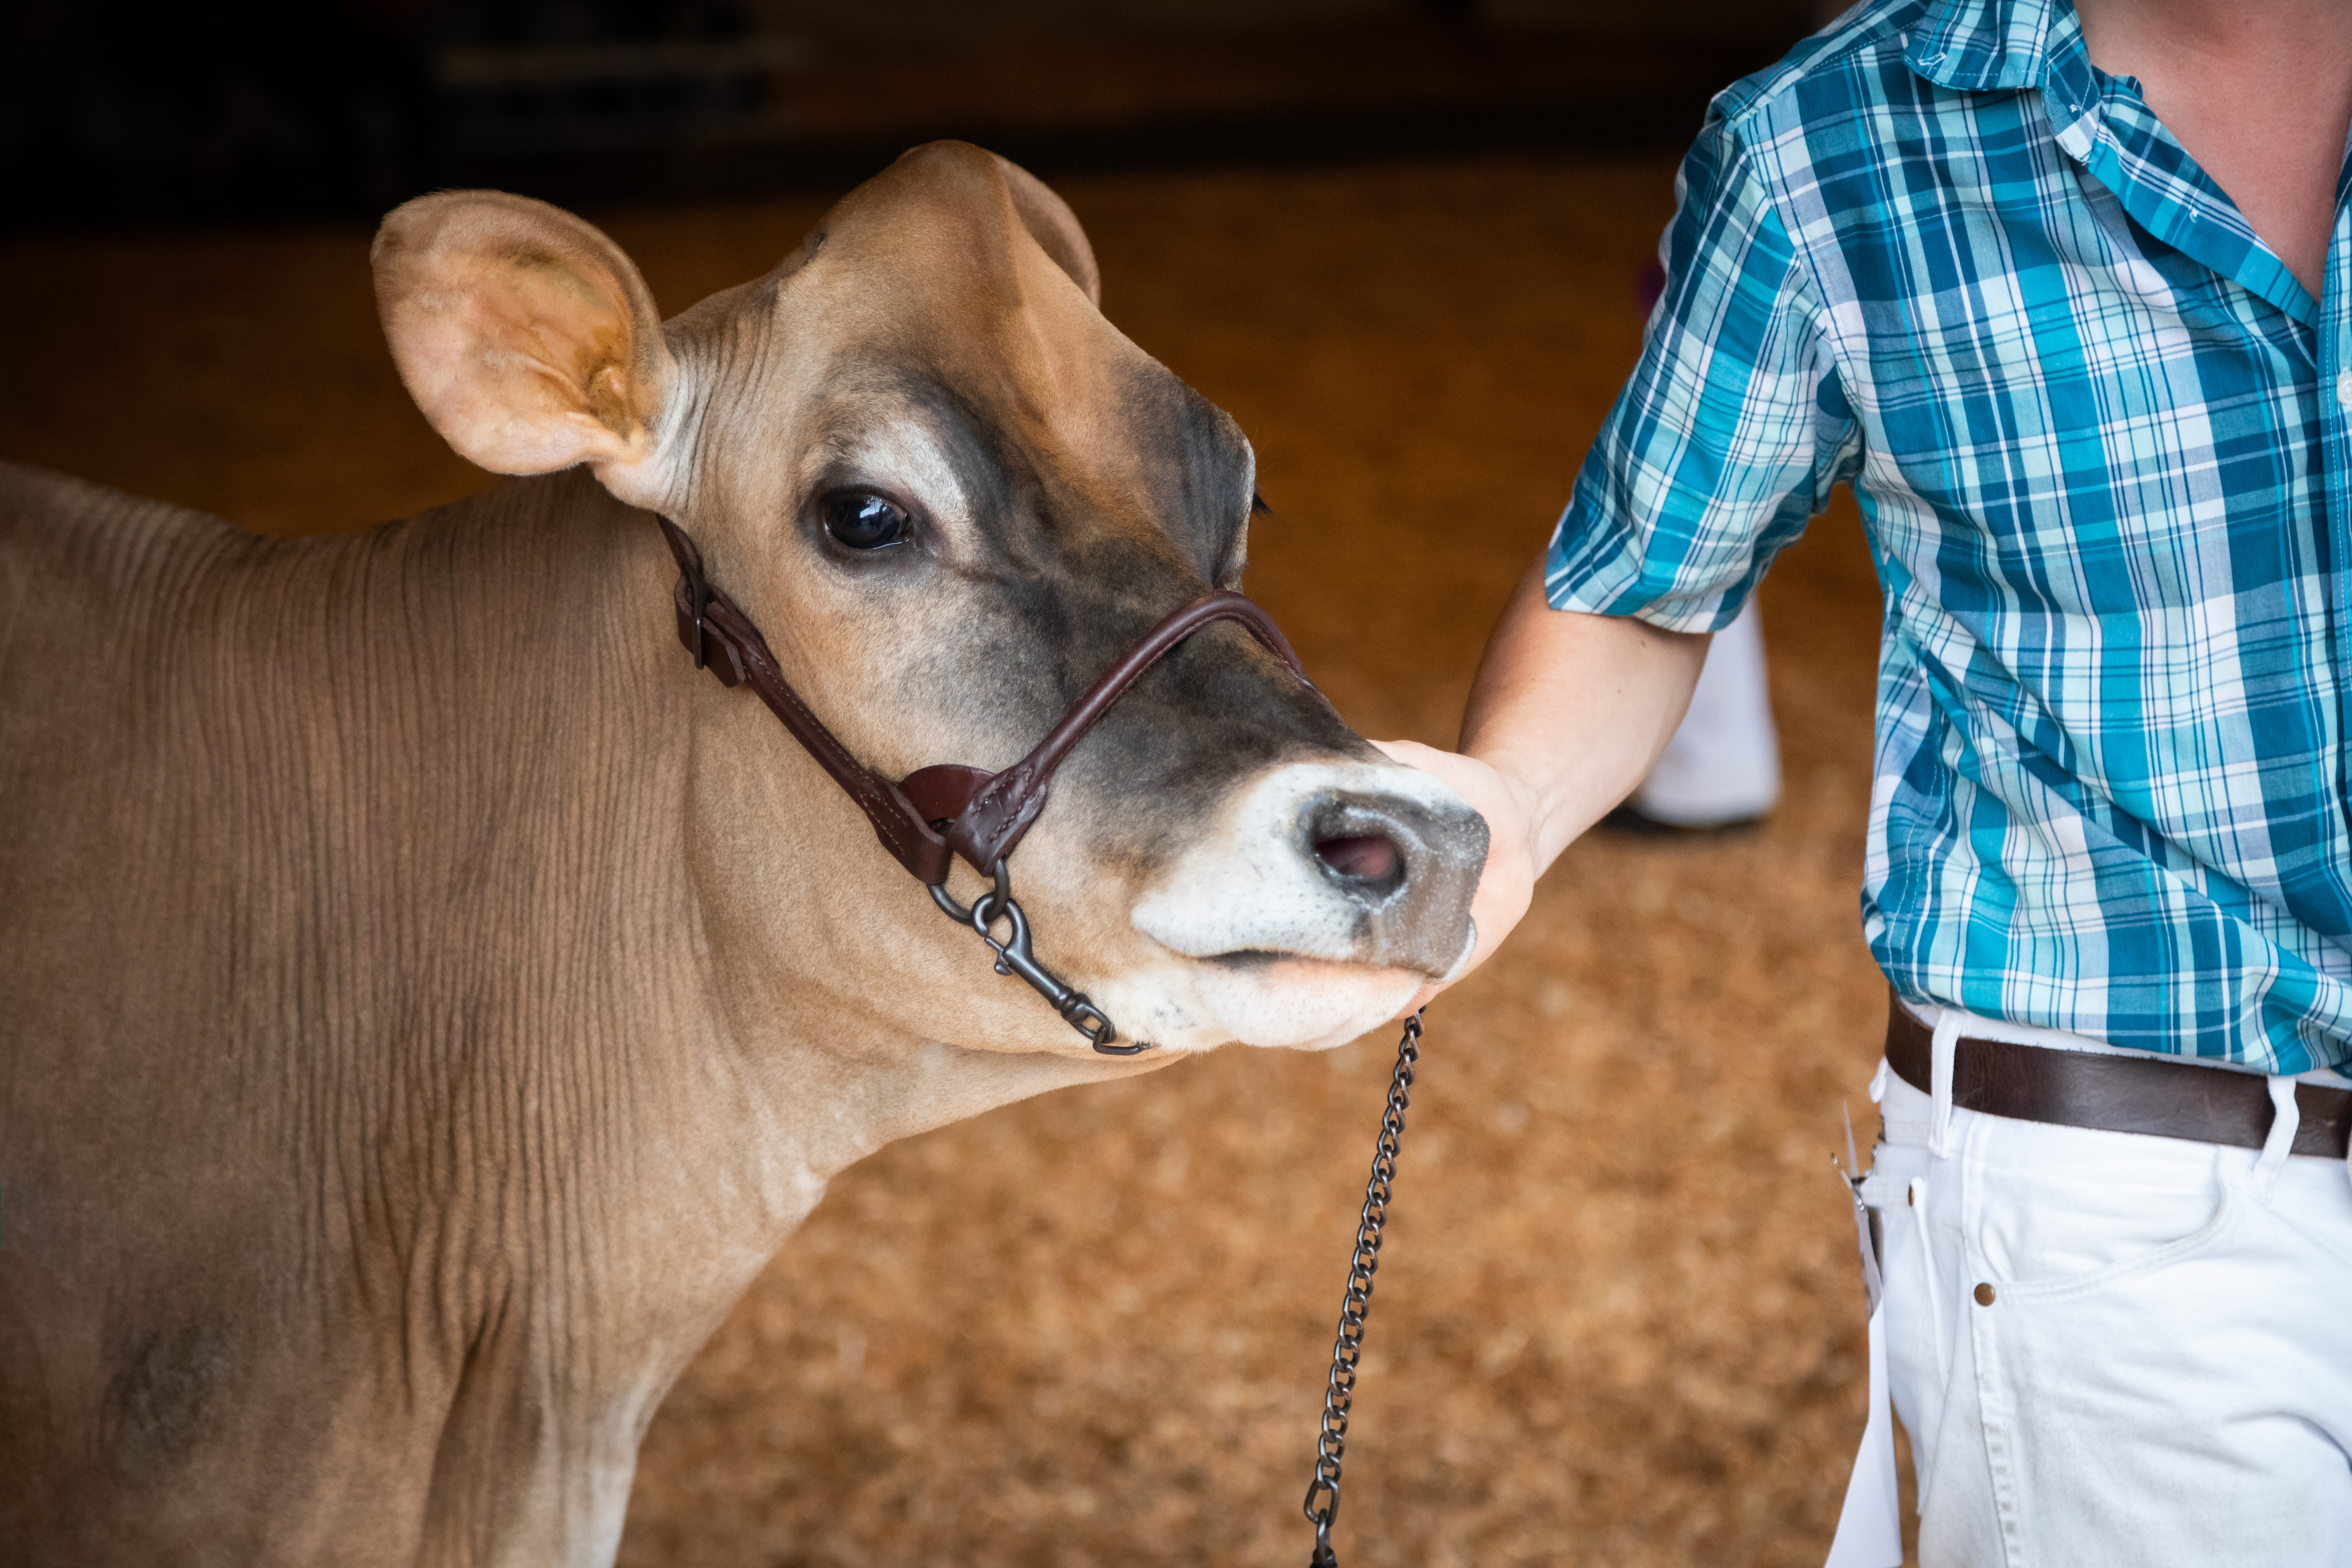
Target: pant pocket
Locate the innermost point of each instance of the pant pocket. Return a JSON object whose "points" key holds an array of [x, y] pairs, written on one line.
{"points": [[2047, 1208], [2094, 1444]]}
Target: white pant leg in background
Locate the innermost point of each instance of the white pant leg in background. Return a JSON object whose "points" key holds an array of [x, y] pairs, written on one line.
{"points": [[1723, 764], [2162, 1375]]}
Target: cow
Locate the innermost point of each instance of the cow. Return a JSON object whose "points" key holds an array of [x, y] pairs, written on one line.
{"points": [[428, 998]]}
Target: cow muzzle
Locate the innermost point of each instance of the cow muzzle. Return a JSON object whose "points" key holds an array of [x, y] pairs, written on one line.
{"points": [[1323, 897]]}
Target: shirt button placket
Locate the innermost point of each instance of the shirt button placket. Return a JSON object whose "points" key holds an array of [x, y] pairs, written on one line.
{"points": [[2334, 488]]}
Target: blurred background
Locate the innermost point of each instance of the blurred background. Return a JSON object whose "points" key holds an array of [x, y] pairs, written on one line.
{"points": [[1619, 1320], [146, 110]]}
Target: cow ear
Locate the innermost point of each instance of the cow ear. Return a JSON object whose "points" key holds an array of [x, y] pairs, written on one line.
{"points": [[526, 336], [1052, 224]]}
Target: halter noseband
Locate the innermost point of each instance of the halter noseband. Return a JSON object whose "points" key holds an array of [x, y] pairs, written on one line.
{"points": [[938, 813]]}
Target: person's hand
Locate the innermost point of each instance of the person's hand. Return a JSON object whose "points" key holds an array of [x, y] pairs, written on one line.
{"points": [[1569, 710], [1508, 881]]}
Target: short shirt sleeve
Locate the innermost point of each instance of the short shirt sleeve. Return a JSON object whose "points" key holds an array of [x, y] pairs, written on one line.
{"points": [[1733, 429]]}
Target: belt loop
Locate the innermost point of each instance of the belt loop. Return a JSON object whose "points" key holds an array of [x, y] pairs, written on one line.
{"points": [[2285, 1117], [1941, 1051]]}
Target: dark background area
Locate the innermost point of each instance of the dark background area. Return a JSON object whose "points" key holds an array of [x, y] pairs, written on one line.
{"points": [[147, 113]]}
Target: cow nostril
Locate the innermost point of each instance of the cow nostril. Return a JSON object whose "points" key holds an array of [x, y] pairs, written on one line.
{"points": [[1363, 858]]}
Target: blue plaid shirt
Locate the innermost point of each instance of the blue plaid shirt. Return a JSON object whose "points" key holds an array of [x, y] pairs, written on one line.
{"points": [[2098, 432]]}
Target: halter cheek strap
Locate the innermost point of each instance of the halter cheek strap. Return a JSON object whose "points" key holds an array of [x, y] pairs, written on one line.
{"points": [[723, 640], [948, 810]]}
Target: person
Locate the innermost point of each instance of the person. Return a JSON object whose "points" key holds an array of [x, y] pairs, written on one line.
{"points": [[2064, 289], [1720, 770]]}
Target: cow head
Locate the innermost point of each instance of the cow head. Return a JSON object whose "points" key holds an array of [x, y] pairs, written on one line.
{"points": [[950, 494]]}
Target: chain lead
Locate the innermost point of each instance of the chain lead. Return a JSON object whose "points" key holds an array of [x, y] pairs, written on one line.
{"points": [[1322, 1504]]}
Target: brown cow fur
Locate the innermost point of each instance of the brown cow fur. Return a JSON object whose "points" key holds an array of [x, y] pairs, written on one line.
{"points": [[425, 1001]]}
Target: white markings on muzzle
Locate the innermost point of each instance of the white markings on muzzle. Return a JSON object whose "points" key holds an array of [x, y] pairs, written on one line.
{"points": [[1183, 1005], [1254, 885]]}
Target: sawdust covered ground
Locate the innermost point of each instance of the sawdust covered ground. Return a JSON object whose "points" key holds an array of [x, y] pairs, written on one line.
{"points": [[1618, 1321]]}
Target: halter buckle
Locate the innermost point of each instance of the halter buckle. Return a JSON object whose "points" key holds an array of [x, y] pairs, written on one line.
{"points": [[1014, 955]]}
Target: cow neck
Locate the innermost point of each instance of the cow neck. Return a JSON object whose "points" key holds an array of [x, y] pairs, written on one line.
{"points": [[938, 813]]}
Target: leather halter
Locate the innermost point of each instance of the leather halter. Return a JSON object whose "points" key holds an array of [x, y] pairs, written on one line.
{"points": [[947, 810]]}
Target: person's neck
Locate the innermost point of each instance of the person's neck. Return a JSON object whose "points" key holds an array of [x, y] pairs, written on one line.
{"points": [[2259, 93]]}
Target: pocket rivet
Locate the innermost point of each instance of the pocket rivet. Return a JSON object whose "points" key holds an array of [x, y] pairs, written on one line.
{"points": [[1984, 1295]]}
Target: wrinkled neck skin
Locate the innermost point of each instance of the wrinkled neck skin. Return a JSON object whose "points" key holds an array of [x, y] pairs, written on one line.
{"points": [[718, 1082], [515, 928]]}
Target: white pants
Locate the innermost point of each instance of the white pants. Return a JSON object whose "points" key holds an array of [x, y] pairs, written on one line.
{"points": [[2117, 1349], [1723, 764]]}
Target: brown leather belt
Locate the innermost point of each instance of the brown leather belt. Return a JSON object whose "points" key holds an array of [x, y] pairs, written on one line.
{"points": [[2138, 1093]]}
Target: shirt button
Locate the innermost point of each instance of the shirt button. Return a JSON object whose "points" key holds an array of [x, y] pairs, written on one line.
{"points": [[2344, 389], [1984, 1295]]}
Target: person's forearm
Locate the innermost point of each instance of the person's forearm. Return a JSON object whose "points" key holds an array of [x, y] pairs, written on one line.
{"points": [[1575, 708]]}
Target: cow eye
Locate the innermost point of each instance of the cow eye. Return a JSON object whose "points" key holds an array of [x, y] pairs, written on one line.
{"points": [[863, 520]]}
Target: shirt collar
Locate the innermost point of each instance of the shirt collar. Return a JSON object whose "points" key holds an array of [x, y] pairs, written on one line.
{"points": [[1995, 45], [2011, 46], [1992, 45]]}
